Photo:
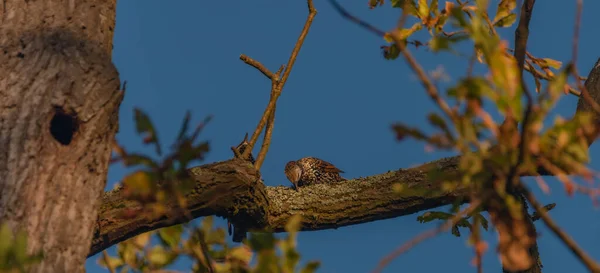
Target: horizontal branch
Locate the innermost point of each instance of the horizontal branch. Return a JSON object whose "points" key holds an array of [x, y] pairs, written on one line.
{"points": [[232, 189]]}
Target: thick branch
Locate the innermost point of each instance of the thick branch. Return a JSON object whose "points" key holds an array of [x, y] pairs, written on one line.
{"points": [[232, 189]]}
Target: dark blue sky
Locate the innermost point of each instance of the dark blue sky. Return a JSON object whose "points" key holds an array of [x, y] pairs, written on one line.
{"points": [[338, 104]]}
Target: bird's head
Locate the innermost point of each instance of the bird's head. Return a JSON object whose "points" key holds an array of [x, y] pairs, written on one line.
{"points": [[293, 172]]}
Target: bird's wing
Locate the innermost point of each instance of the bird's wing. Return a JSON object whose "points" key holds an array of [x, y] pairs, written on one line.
{"points": [[328, 167]]}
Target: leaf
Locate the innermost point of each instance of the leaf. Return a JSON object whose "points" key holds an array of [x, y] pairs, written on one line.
{"points": [[423, 9], [114, 262], [455, 231], [144, 126], [20, 247], [139, 184], [484, 222], [402, 131], [141, 240], [433, 7], [408, 5], [184, 126], [311, 267], [293, 224], [242, 253], [261, 241], [506, 21], [505, 7], [552, 63], [6, 240], [171, 236], [557, 85], [160, 257], [131, 160], [433, 215]]}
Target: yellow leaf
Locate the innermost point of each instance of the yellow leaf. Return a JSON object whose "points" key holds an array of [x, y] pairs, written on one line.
{"points": [[242, 253], [405, 33], [423, 9], [433, 7], [388, 37], [552, 63], [294, 223], [142, 240], [506, 21], [505, 7]]}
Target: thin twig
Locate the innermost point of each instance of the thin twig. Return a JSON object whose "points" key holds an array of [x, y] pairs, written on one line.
{"points": [[521, 36], [270, 123], [280, 84], [566, 239], [257, 65], [206, 254], [425, 81], [426, 235], [584, 92]]}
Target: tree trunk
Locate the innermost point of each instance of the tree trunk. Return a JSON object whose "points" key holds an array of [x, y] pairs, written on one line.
{"points": [[59, 100]]}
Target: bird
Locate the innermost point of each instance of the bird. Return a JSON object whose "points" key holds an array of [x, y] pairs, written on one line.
{"points": [[312, 170]]}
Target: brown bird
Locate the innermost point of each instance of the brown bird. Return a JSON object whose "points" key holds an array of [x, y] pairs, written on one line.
{"points": [[311, 170]]}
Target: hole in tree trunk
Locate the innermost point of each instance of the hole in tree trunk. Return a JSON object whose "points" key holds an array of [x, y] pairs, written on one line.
{"points": [[63, 126]]}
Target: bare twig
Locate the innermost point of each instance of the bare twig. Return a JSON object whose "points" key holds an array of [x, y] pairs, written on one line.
{"points": [[257, 65], [576, 32], [522, 34], [426, 235], [584, 92], [269, 113], [270, 122], [566, 239], [414, 65]]}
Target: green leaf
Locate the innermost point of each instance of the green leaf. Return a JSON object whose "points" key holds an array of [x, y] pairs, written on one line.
{"points": [[434, 215], [552, 63], [408, 5], [144, 126], [402, 131], [6, 241], [20, 247], [557, 85], [160, 257], [505, 7], [433, 7], [311, 267], [482, 220], [184, 126], [506, 21], [171, 236], [455, 231], [261, 241]]}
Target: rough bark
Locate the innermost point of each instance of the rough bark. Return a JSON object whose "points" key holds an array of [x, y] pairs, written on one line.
{"points": [[58, 116], [244, 199]]}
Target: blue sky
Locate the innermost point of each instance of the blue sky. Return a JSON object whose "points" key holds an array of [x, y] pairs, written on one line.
{"points": [[338, 105]]}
